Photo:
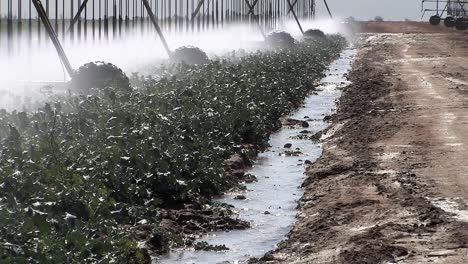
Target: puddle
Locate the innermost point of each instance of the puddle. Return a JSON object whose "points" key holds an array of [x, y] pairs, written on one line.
{"points": [[388, 156], [408, 58], [456, 81], [271, 202], [402, 146], [453, 144], [371, 38], [455, 206]]}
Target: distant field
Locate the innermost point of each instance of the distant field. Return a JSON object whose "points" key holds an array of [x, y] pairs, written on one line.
{"points": [[404, 27]]}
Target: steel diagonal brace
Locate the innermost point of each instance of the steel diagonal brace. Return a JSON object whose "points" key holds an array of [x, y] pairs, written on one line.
{"points": [[156, 26], [444, 10], [197, 10], [251, 7], [291, 8], [328, 8], [462, 6], [252, 11], [77, 16], [53, 37]]}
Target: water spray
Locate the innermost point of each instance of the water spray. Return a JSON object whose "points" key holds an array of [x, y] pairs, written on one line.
{"points": [[90, 75], [291, 10], [252, 11], [261, 14], [189, 55], [157, 27], [311, 32]]}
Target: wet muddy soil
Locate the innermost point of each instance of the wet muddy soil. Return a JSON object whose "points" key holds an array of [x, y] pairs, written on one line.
{"points": [[392, 183]]}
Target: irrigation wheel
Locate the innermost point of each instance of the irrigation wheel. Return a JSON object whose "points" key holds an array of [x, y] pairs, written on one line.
{"points": [[461, 23], [434, 20], [449, 22]]}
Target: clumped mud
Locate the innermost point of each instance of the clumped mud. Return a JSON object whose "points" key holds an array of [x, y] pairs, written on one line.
{"points": [[203, 220], [363, 203]]}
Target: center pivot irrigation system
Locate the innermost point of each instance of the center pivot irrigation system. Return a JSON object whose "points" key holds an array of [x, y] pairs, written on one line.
{"points": [[454, 13], [292, 7]]}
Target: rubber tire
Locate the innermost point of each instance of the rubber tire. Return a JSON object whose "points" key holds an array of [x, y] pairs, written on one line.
{"points": [[461, 23], [435, 20], [449, 22], [465, 26]]}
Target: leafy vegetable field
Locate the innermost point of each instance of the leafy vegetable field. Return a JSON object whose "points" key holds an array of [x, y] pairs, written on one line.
{"points": [[79, 174]]}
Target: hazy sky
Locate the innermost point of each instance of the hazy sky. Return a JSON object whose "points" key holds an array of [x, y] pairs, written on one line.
{"points": [[360, 9]]}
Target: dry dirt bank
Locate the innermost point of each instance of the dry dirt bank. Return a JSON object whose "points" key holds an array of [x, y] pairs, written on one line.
{"points": [[392, 184]]}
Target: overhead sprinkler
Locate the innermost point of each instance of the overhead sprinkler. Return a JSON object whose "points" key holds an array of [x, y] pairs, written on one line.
{"points": [[264, 14], [90, 75], [311, 33], [285, 40], [100, 74], [281, 40], [188, 54]]}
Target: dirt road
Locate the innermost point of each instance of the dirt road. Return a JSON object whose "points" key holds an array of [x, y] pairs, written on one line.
{"points": [[392, 184]]}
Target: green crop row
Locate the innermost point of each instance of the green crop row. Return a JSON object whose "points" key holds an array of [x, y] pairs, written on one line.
{"points": [[79, 173]]}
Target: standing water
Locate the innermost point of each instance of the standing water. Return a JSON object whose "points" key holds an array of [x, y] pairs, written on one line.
{"points": [[271, 202]]}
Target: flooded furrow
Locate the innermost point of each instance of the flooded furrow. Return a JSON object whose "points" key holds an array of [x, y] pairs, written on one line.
{"points": [[270, 204]]}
